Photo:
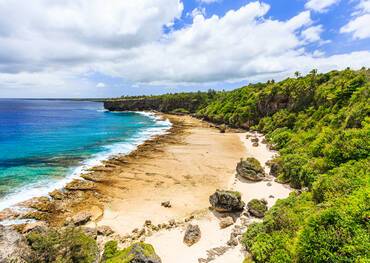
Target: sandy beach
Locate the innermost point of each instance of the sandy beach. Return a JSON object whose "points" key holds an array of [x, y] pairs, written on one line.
{"points": [[184, 171], [183, 167]]}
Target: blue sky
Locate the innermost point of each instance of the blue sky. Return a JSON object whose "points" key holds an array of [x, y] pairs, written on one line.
{"points": [[101, 48]]}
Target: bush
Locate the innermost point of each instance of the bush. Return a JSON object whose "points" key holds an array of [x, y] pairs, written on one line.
{"points": [[63, 245]]}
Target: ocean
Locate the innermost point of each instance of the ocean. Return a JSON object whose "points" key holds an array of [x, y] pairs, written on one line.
{"points": [[46, 143]]}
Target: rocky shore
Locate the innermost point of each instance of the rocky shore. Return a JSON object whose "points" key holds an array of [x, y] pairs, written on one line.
{"points": [[159, 195]]}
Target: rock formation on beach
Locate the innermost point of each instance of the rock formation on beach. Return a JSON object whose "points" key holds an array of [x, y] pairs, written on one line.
{"points": [[250, 169], [226, 201]]}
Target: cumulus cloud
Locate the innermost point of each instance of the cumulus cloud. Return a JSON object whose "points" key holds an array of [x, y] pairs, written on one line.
{"points": [[320, 5], [55, 45], [358, 26]]}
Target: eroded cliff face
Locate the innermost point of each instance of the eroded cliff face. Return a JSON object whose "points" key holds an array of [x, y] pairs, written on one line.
{"points": [[134, 104]]}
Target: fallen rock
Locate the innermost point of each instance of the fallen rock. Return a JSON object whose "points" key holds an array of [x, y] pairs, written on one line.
{"points": [[255, 144], [80, 185], [104, 230], [226, 201], [226, 222], [232, 242], [192, 235], [257, 207], [81, 218], [250, 169], [254, 139], [166, 204]]}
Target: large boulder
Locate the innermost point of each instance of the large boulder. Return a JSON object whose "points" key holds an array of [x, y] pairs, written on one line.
{"points": [[257, 207], [226, 201], [136, 253], [192, 235], [250, 169]]}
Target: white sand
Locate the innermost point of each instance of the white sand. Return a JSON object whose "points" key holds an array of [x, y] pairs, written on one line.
{"points": [[169, 243]]}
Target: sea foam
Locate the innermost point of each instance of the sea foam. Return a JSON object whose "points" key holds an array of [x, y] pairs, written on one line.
{"points": [[42, 188]]}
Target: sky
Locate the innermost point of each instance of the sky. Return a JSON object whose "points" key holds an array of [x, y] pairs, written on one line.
{"points": [[109, 48]]}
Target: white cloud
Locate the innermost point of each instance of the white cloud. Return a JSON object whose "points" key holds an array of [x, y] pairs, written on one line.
{"points": [[312, 34], [54, 46], [320, 5], [100, 85], [359, 25]]}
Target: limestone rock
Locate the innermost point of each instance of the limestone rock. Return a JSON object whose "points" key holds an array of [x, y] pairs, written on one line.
{"points": [[226, 201], [192, 235], [94, 177], [255, 144], [81, 218], [226, 222], [166, 204], [104, 230], [38, 226], [80, 185], [56, 194], [13, 246], [257, 207], [250, 169], [254, 139]]}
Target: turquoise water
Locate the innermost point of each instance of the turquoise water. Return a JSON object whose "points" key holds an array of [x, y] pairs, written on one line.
{"points": [[45, 143]]}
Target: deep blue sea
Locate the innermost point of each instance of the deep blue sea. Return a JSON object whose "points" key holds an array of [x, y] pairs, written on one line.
{"points": [[46, 143]]}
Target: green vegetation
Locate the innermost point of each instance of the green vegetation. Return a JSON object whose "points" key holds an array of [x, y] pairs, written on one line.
{"points": [[130, 254], [257, 207], [320, 124], [64, 246]]}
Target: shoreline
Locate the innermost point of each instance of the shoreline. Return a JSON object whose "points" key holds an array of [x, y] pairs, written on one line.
{"points": [[183, 166], [15, 204]]}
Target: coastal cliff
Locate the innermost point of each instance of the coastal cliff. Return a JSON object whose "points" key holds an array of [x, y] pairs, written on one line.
{"points": [[133, 104]]}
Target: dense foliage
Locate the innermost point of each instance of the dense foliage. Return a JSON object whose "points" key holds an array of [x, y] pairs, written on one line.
{"points": [[320, 124]]}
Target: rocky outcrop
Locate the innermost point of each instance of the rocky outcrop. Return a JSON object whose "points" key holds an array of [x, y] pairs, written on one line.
{"points": [[192, 235], [80, 218], [257, 207], [80, 185], [226, 201], [13, 246], [250, 169]]}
